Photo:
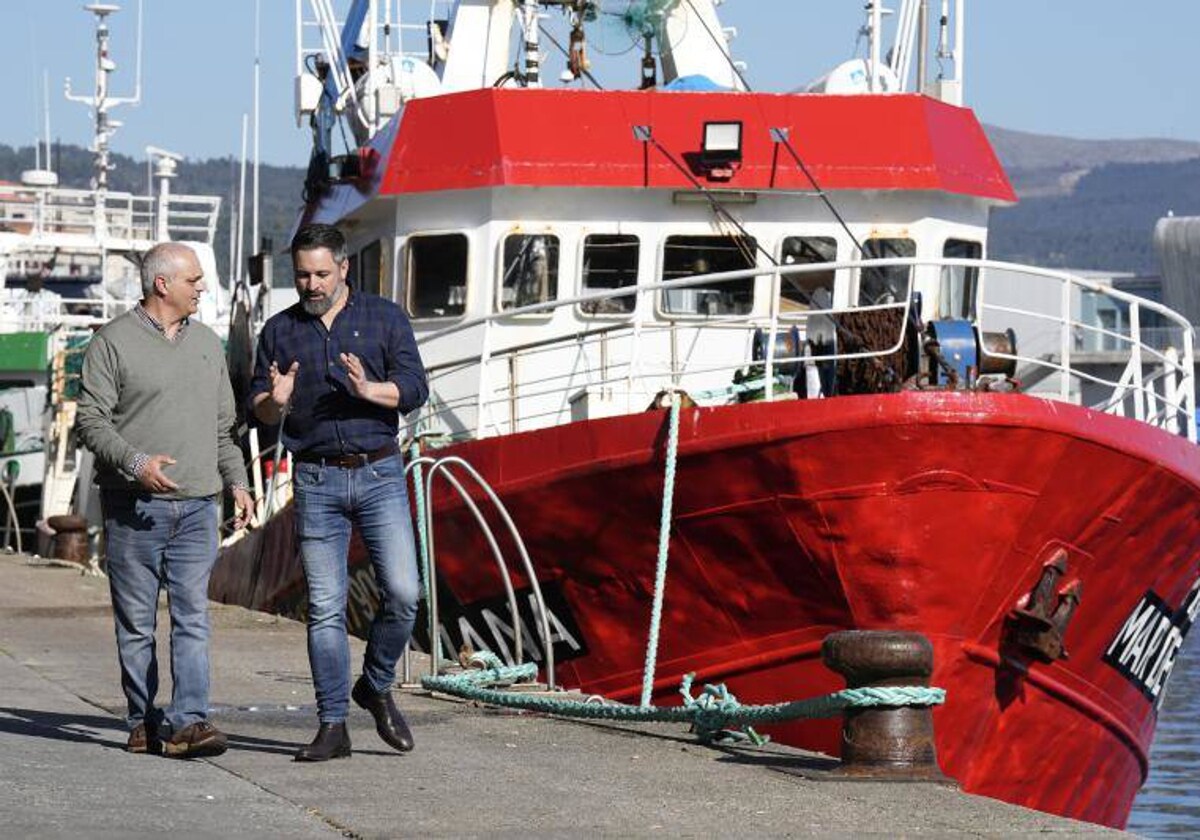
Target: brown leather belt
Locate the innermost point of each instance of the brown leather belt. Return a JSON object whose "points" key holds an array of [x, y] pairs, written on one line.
{"points": [[360, 459]]}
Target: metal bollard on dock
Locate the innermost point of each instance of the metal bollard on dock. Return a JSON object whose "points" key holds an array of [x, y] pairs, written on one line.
{"points": [[893, 743], [70, 541]]}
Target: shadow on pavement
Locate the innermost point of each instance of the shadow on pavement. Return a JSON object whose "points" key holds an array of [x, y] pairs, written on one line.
{"points": [[287, 748], [83, 729]]}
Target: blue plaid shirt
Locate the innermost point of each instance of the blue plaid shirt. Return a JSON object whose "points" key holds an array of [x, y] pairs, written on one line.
{"points": [[325, 418]]}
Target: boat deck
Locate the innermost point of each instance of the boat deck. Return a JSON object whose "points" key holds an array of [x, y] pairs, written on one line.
{"points": [[473, 773]]}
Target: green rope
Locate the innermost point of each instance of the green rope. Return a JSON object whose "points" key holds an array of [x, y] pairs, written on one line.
{"points": [[713, 715], [664, 540], [729, 390], [422, 535]]}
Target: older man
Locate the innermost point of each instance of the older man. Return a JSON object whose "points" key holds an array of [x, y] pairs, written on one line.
{"points": [[344, 365], [157, 409]]}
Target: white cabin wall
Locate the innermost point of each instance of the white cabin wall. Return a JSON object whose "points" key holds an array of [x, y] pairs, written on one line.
{"points": [[478, 22], [696, 45], [486, 217], [454, 387]]}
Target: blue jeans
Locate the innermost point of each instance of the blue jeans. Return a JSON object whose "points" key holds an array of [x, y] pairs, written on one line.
{"points": [[328, 501], [150, 542]]}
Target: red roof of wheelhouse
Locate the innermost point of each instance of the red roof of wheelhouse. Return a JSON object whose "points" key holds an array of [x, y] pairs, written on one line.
{"points": [[572, 138]]}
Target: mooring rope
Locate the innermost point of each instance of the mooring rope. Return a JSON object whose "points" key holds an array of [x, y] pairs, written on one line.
{"points": [[664, 542], [422, 533], [715, 715]]}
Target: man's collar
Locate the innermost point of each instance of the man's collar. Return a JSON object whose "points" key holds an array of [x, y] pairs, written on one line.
{"points": [[154, 322]]}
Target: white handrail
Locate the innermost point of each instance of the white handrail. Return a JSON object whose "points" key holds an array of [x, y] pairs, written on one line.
{"points": [[442, 465], [1148, 389]]}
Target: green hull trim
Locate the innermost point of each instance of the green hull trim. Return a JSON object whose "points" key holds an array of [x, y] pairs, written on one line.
{"points": [[22, 352]]}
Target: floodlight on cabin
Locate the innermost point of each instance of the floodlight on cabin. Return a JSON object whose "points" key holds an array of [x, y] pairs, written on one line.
{"points": [[722, 143], [721, 148]]}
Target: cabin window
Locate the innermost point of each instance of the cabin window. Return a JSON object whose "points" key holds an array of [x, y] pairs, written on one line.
{"points": [[889, 283], [811, 290], [610, 261], [530, 270], [956, 298], [436, 278], [367, 262], [387, 269], [687, 256]]}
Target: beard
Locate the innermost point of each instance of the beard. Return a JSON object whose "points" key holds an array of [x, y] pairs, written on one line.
{"points": [[318, 306]]}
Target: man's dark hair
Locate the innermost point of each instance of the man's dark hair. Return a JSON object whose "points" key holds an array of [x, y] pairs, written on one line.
{"points": [[314, 236]]}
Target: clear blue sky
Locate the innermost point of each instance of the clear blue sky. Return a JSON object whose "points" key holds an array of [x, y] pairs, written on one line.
{"points": [[1081, 68]]}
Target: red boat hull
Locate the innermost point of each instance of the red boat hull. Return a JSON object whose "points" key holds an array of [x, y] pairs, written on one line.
{"points": [[926, 511]]}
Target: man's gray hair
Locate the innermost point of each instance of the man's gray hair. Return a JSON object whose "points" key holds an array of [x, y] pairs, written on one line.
{"points": [[163, 260]]}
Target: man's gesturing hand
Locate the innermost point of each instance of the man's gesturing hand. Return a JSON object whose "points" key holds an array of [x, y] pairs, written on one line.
{"points": [[384, 393], [243, 508], [282, 383], [356, 374], [152, 476]]}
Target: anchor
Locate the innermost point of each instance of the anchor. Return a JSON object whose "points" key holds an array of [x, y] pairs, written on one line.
{"points": [[1038, 626]]}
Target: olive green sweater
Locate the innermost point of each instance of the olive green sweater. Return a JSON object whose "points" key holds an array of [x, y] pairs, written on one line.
{"points": [[143, 394]]}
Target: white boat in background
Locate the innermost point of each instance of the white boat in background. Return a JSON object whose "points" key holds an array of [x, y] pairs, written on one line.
{"points": [[68, 263]]}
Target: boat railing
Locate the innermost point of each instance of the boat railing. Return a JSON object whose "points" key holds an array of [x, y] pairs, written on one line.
{"points": [[193, 217], [19, 313], [1149, 375], [67, 212], [1157, 338], [513, 383], [446, 467]]}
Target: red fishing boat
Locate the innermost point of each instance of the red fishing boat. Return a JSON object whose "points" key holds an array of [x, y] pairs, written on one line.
{"points": [[880, 427]]}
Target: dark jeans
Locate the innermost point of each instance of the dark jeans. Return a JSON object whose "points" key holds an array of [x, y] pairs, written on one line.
{"points": [[151, 542], [328, 500]]}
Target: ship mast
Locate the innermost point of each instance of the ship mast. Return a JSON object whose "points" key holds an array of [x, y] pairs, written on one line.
{"points": [[101, 102]]}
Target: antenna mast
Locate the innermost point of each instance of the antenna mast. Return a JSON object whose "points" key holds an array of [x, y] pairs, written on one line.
{"points": [[257, 42], [101, 102]]}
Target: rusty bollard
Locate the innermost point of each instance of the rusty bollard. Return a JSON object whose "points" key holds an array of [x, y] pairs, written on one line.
{"points": [[885, 742], [70, 540]]}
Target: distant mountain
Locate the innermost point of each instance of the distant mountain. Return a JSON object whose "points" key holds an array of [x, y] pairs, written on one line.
{"points": [[1106, 221], [1084, 203], [1090, 203], [1041, 164]]}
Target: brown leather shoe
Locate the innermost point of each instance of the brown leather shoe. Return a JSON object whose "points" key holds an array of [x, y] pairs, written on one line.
{"points": [[143, 740], [389, 723], [196, 740]]}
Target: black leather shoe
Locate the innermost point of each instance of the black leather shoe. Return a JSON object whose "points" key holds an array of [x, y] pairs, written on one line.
{"points": [[389, 723], [332, 741]]}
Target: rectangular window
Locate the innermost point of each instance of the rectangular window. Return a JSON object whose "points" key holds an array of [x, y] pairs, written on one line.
{"points": [[687, 256], [610, 261], [890, 283], [530, 270], [956, 299], [436, 279], [811, 290], [1110, 322], [368, 268]]}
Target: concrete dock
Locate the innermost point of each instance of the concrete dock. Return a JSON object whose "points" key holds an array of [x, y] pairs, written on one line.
{"points": [[474, 772]]}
